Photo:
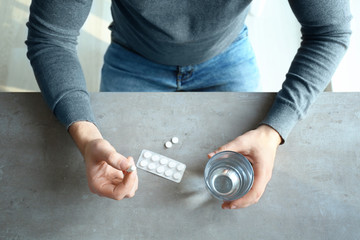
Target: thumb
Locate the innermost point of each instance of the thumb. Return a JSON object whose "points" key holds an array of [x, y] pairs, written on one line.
{"points": [[118, 161], [236, 145]]}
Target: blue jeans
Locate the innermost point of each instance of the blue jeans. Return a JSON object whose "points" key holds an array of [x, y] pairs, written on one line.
{"points": [[234, 70]]}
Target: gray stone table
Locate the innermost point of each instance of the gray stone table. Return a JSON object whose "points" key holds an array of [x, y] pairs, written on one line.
{"points": [[314, 192]]}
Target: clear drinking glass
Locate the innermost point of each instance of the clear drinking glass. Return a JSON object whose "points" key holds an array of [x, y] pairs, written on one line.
{"points": [[228, 175]]}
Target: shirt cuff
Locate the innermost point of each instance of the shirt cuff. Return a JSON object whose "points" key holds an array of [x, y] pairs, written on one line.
{"points": [[74, 106], [282, 117]]}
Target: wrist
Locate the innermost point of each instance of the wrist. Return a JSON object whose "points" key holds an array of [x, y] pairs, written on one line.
{"points": [[271, 134], [84, 132]]}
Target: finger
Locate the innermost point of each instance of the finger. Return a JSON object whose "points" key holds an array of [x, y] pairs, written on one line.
{"points": [[236, 145], [254, 195], [135, 186], [134, 189], [127, 188], [121, 190], [129, 177], [106, 152], [118, 161], [108, 190], [129, 183], [127, 164], [117, 189]]}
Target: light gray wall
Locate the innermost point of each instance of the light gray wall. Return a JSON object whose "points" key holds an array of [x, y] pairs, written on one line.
{"points": [[275, 36], [15, 71], [347, 76]]}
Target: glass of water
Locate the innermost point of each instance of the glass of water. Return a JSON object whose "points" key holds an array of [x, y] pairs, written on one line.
{"points": [[228, 175]]}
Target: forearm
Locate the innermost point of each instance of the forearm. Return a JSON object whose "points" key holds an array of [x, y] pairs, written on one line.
{"points": [[325, 37], [52, 38], [62, 83]]}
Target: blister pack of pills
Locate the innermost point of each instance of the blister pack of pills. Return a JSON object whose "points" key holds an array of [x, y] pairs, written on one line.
{"points": [[160, 165]]}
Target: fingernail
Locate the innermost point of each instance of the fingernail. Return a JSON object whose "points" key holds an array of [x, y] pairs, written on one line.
{"points": [[232, 207], [225, 207], [211, 154]]}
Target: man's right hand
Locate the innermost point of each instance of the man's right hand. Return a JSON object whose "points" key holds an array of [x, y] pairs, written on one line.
{"points": [[105, 168]]}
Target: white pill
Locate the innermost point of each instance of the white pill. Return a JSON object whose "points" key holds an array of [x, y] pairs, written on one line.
{"points": [[172, 164], [143, 163], [152, 166], [160, 169], [131, 168], [168, 144], [168, 173], [147, 154], [164, 161], [175, 140], [177, 176], [155, 158], [180, 167]]}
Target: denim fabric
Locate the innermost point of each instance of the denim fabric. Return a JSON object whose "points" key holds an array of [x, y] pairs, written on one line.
{"points": [[233, 70]]}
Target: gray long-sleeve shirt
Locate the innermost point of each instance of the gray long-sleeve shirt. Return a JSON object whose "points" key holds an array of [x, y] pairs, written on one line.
{"points": [[159, 30]]}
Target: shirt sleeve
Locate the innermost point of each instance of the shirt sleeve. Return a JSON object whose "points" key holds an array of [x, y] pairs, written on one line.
{"points": [[53, 28], [325, 28]]}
